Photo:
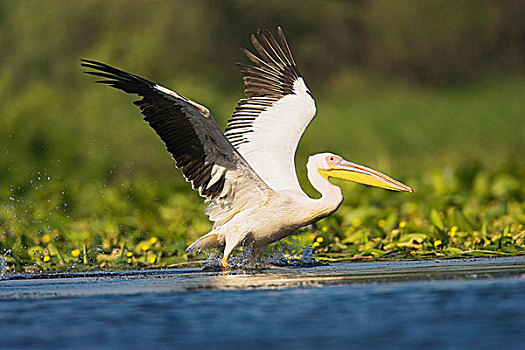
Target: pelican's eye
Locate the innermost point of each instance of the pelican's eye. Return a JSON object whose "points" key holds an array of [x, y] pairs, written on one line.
{"points": [[330, 160]]}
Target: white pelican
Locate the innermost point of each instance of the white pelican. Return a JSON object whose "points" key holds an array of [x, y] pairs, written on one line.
{"points": [[247, 174]]}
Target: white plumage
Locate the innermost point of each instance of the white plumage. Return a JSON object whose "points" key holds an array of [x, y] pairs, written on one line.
{"points": [[247, 174], [270, 148]]}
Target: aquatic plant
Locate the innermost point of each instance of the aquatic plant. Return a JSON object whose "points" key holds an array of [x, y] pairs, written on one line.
{"points": [[54, 224]]}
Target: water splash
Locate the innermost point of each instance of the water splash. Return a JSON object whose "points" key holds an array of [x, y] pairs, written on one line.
{"points": [[3, 264], [285, 254], [242, 261], [296, 257]]}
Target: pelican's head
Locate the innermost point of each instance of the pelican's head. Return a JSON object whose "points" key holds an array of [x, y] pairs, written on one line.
{"points": [[331, 165]]}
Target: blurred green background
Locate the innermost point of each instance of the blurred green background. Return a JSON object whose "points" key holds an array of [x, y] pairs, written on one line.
{"points": [[400, 85], [408, 87]]}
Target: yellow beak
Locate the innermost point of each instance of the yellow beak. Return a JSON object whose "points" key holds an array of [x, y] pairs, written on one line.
{"points": [[363, 175]]}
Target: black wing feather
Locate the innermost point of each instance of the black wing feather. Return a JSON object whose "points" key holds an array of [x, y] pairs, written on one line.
{"points": [[270, 78], [176, 120]]}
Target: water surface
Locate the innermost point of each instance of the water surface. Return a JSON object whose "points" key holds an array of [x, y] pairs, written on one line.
{"points": [[448, 304]]}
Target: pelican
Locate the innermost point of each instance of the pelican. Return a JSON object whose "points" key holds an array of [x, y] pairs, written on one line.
{"points": [[247, 174]]}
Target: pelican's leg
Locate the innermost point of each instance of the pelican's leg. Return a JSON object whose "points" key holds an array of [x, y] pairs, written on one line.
{"points": [[228, 249], [224, 261], [257, 255]]}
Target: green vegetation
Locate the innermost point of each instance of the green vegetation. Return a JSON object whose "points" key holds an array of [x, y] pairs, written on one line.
{"points": [[85, 184], [49, 223]]}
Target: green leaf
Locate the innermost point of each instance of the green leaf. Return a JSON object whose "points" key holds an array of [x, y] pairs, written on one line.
{"points": [[452, 251], [436, 220]]}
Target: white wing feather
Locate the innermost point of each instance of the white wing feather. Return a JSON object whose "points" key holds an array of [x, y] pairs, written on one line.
{"points": [[270, 148], [267, 126]]}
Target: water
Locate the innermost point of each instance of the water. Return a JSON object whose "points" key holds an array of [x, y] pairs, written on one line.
{"points": [[382, 305]]}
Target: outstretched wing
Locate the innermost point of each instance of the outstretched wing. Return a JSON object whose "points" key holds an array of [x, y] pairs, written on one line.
{"points": [[200, 149], [267, 125]]}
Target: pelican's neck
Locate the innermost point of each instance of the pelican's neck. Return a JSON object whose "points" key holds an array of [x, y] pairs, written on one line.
{"points": [[331, 195]]}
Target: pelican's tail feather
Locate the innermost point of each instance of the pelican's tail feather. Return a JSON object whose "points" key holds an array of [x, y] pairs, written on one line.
{"points": [[208, 241]]}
